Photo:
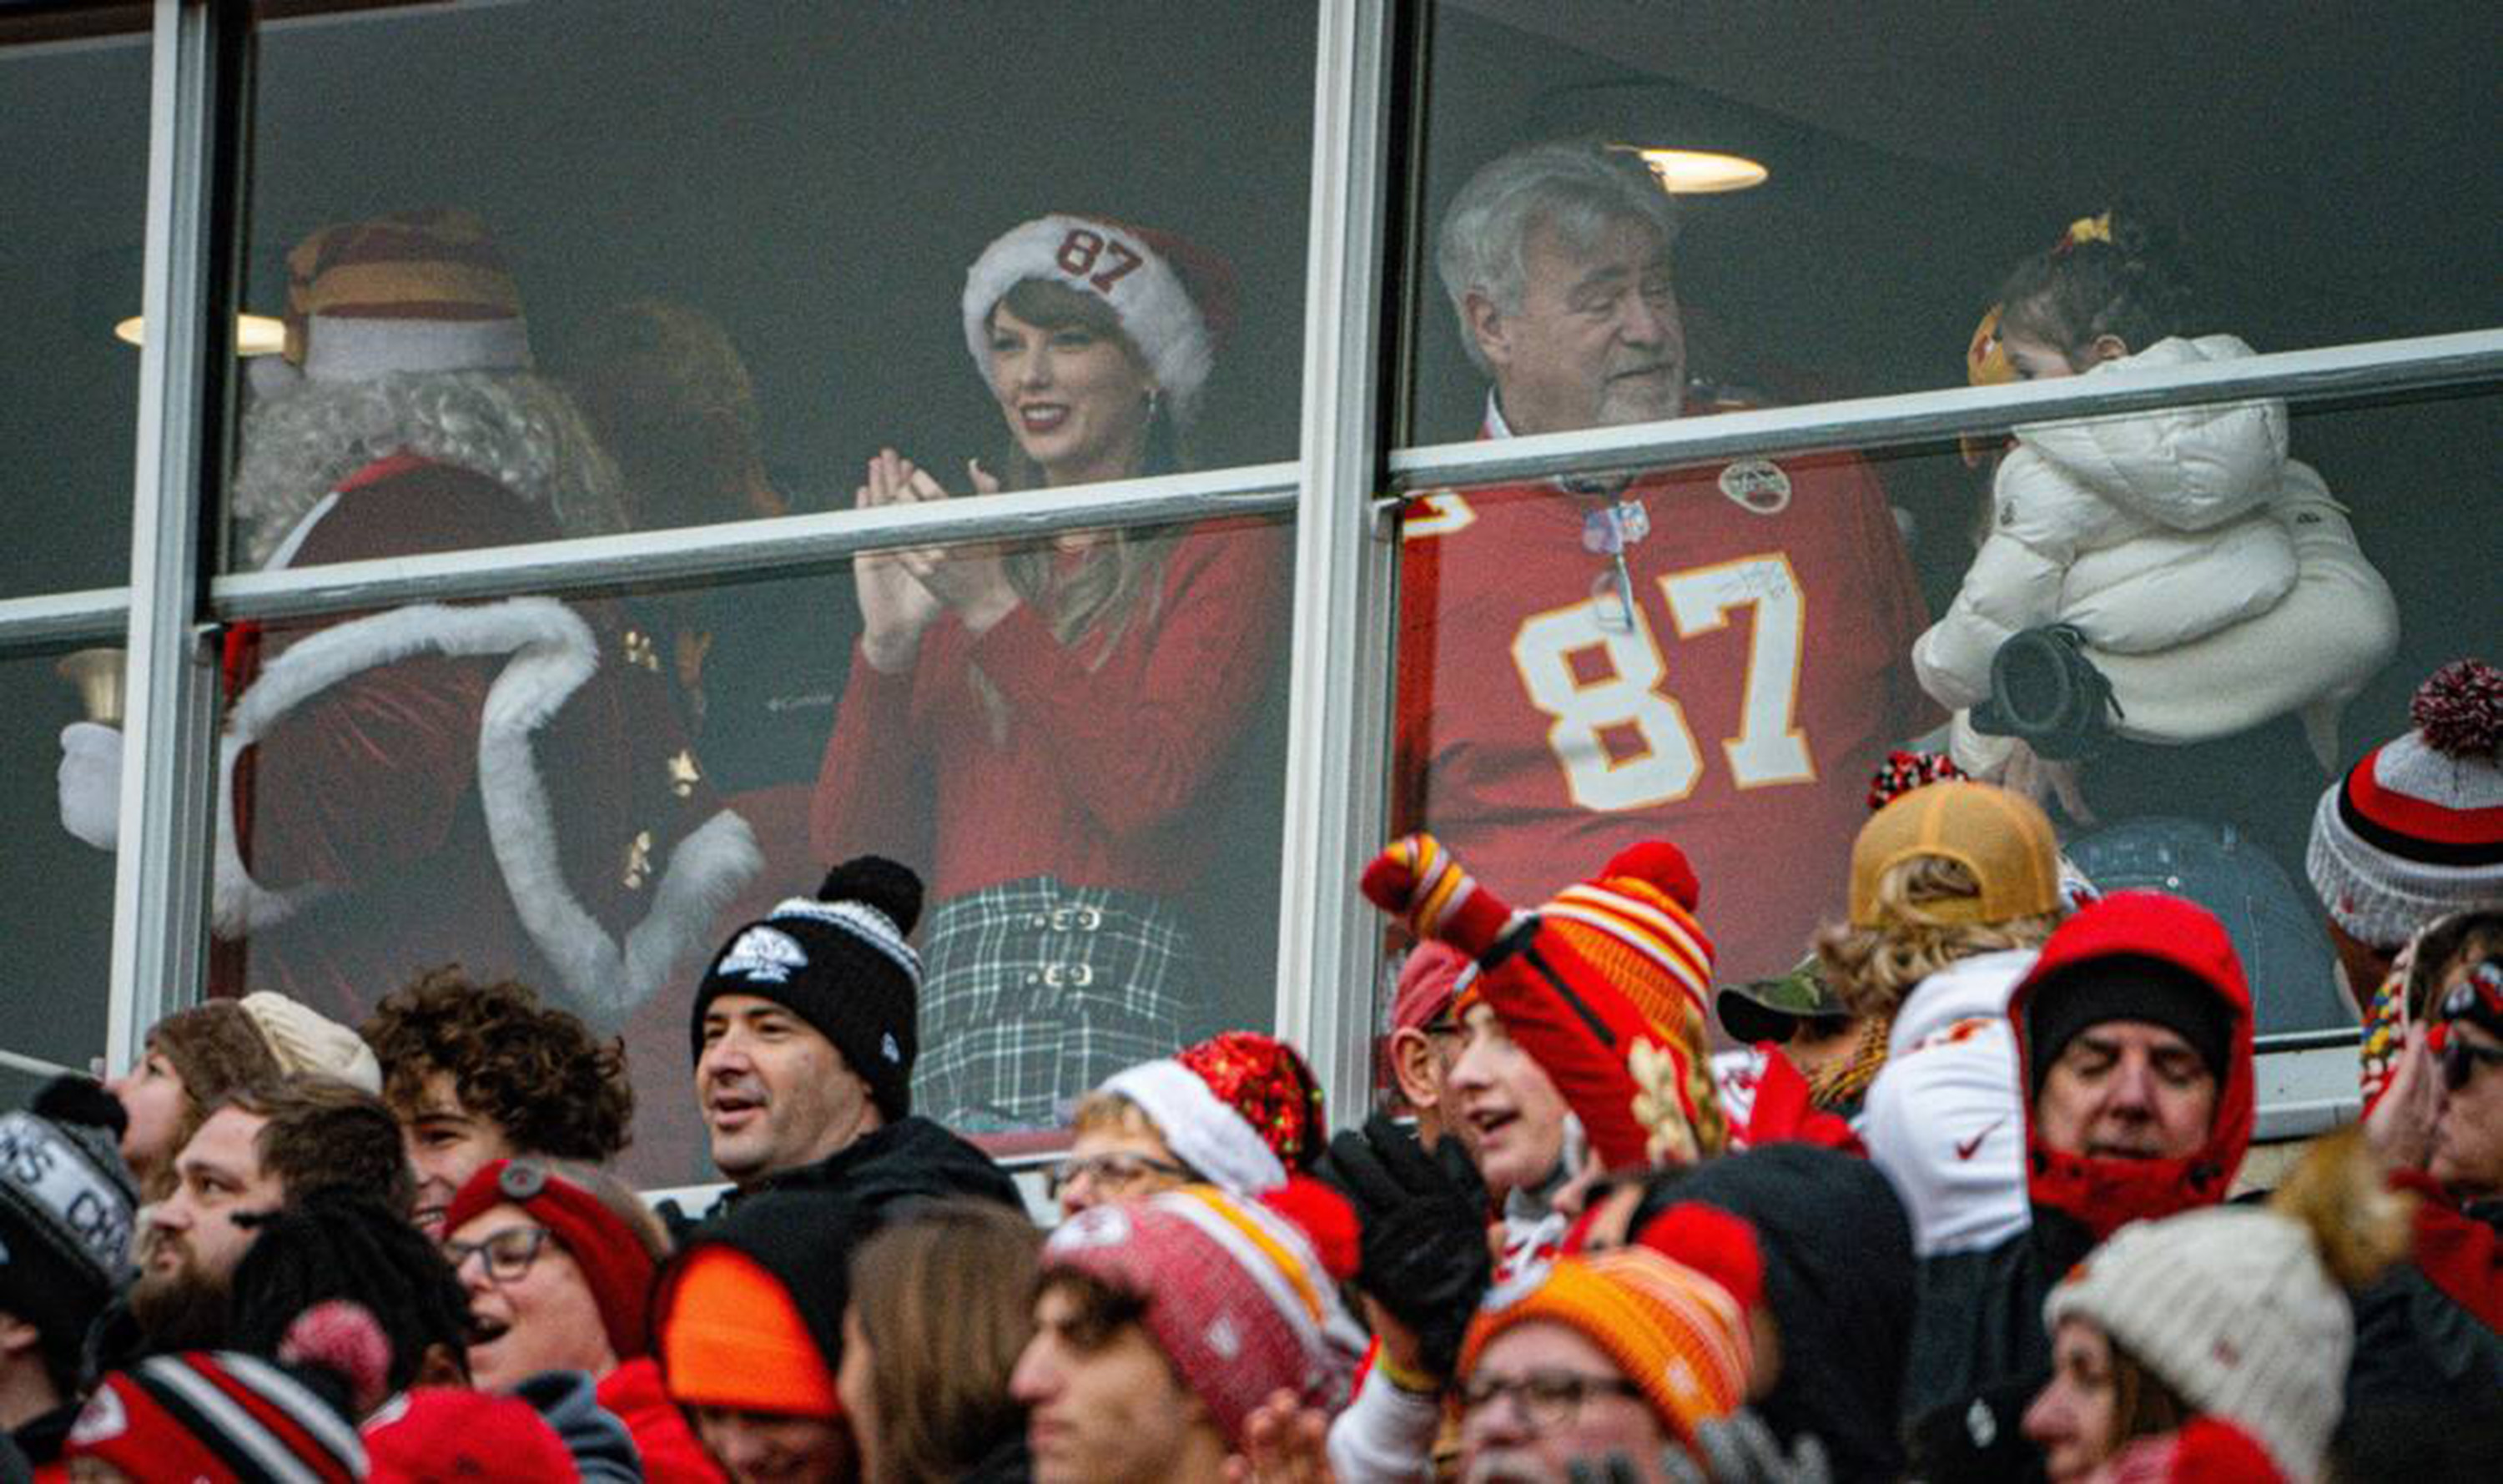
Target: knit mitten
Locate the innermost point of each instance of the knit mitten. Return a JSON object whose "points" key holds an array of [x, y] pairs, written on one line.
{"points": [[1417, 879]]}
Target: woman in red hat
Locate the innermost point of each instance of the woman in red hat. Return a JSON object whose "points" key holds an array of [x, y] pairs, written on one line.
{"points": [[1042, 724], [558, 1261]]}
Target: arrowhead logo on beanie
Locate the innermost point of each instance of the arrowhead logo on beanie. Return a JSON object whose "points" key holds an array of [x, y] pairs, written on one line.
{"points": [[840, 961], [763, 955]]}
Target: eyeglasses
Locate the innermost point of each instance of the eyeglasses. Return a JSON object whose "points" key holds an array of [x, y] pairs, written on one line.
{"points": [[1109, 1171], [1547, 1400], [2461, 1059], [508, 1254]]}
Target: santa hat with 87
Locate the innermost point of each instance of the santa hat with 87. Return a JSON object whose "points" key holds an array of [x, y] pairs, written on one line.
{"points": [[1175, 298]]}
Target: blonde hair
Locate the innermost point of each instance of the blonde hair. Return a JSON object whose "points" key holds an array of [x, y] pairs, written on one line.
{"points": [[1098, 596], [1873, 968]]}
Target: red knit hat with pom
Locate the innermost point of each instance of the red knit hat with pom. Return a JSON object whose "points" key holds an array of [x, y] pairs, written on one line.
{"points": [[1622, 953], [1635, 923], [2416, 829], [1236, 1296]]}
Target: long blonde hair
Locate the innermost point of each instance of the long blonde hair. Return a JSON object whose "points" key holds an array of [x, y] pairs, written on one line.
{"points": [[1099, 596], [1873, 968]]}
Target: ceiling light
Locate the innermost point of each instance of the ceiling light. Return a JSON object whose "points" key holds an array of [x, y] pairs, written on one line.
{"points": [[255, 334], [1698, 172]]}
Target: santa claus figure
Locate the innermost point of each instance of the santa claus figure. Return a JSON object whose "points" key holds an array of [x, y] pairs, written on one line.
{"points": [[505, 784]]}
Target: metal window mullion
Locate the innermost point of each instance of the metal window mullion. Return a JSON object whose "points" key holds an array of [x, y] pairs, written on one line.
{"points": [[2422, 363], [786, 546], [160, 878], [1339, 685], [97, 615]]}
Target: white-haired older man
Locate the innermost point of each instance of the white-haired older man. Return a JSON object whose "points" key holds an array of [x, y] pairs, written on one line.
{"points": [[1715, 653]]}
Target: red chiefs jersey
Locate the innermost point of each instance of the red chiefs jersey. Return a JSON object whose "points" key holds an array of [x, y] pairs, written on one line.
{"points": [[1738, 710]]}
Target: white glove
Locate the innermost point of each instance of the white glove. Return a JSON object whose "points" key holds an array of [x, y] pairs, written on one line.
{"points": [[91, 780]]}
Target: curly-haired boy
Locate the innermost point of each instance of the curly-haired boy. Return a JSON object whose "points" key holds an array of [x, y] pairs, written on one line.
{"points": [[477, 1072]]}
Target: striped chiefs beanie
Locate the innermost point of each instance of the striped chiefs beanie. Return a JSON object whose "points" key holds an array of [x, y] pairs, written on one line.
{"points": [[1236, 1298], [418, 291], [1630, 927], [1634, 922], [217, 1417], [1675, 1334], [2416, 829]]}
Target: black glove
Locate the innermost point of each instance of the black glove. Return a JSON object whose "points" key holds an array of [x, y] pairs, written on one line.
{"points": [[1423, 1251]]}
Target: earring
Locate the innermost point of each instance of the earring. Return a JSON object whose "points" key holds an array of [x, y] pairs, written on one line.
{"points": [[1155, 403]]}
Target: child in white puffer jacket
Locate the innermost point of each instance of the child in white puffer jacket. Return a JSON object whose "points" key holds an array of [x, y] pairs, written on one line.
{"points": [[2179, 544]]}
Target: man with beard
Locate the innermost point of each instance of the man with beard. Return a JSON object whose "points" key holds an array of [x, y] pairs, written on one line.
{"points": [[500, 784], [256, 1151]]}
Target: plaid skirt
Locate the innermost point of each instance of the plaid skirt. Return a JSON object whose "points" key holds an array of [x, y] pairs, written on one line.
{"points": [[1033, 992]]}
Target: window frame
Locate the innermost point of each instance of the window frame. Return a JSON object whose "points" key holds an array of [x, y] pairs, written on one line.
{"points": [[1343, 489]]}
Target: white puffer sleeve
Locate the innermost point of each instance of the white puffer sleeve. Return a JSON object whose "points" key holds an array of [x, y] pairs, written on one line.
{"points": [[2184, 468], [2014, 584]]}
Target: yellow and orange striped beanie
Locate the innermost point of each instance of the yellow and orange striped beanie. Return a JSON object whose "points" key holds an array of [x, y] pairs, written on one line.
{"points": [[1676, 1334]]}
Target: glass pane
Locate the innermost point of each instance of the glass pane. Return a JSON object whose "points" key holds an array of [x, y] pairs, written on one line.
{"points": [[655, 265], [1057, 768], [74, 129], [55, 889], [1733, 684], [1914, 158]]}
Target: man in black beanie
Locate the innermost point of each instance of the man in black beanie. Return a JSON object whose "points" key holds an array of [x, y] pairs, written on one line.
{"points": [[66, 1206], [804, 1031]]}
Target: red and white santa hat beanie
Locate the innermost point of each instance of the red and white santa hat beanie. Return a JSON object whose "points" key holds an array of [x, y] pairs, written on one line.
{"points": [[1174, 297], [1236, 1298], [1240, 1108], [418, 291], [2416, 829]]}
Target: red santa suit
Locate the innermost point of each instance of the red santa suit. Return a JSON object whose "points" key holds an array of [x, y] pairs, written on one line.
{"points": [[1738, 710], [501, 784]]}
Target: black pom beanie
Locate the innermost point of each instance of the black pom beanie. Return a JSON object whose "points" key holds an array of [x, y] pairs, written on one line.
{"points": [[839, 960]]}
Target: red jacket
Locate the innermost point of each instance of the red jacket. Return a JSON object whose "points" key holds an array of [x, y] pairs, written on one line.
{"points": [[671, 1454]]}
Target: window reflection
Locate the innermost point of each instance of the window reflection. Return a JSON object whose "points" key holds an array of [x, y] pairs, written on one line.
{"points": [[57, 892], [1721, 653], [74, 127], [1913, 156], [2202, 772], [732, 228]]}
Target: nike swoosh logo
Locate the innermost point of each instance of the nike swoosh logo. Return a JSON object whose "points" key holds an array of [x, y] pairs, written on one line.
{"points": [[1966, 1148]]}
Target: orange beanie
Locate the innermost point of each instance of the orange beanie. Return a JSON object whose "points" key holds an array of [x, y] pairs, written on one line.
{"points": [[732, 1337]]}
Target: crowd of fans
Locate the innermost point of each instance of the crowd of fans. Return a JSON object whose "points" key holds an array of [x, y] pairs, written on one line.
{"points": [[1959, 1194], [2009, 1242]]}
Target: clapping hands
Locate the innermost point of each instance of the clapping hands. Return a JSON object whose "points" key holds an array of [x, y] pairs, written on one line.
{"points": [[903, 590]]}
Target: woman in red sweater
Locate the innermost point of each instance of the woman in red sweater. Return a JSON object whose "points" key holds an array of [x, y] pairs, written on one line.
{"points": [[1040, 727]]}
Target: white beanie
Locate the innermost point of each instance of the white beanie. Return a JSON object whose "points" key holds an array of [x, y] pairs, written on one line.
{"points": [[304, 1040], [1199, 1126], [2232, 1308], [2416, 829], [1141, 273]]}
